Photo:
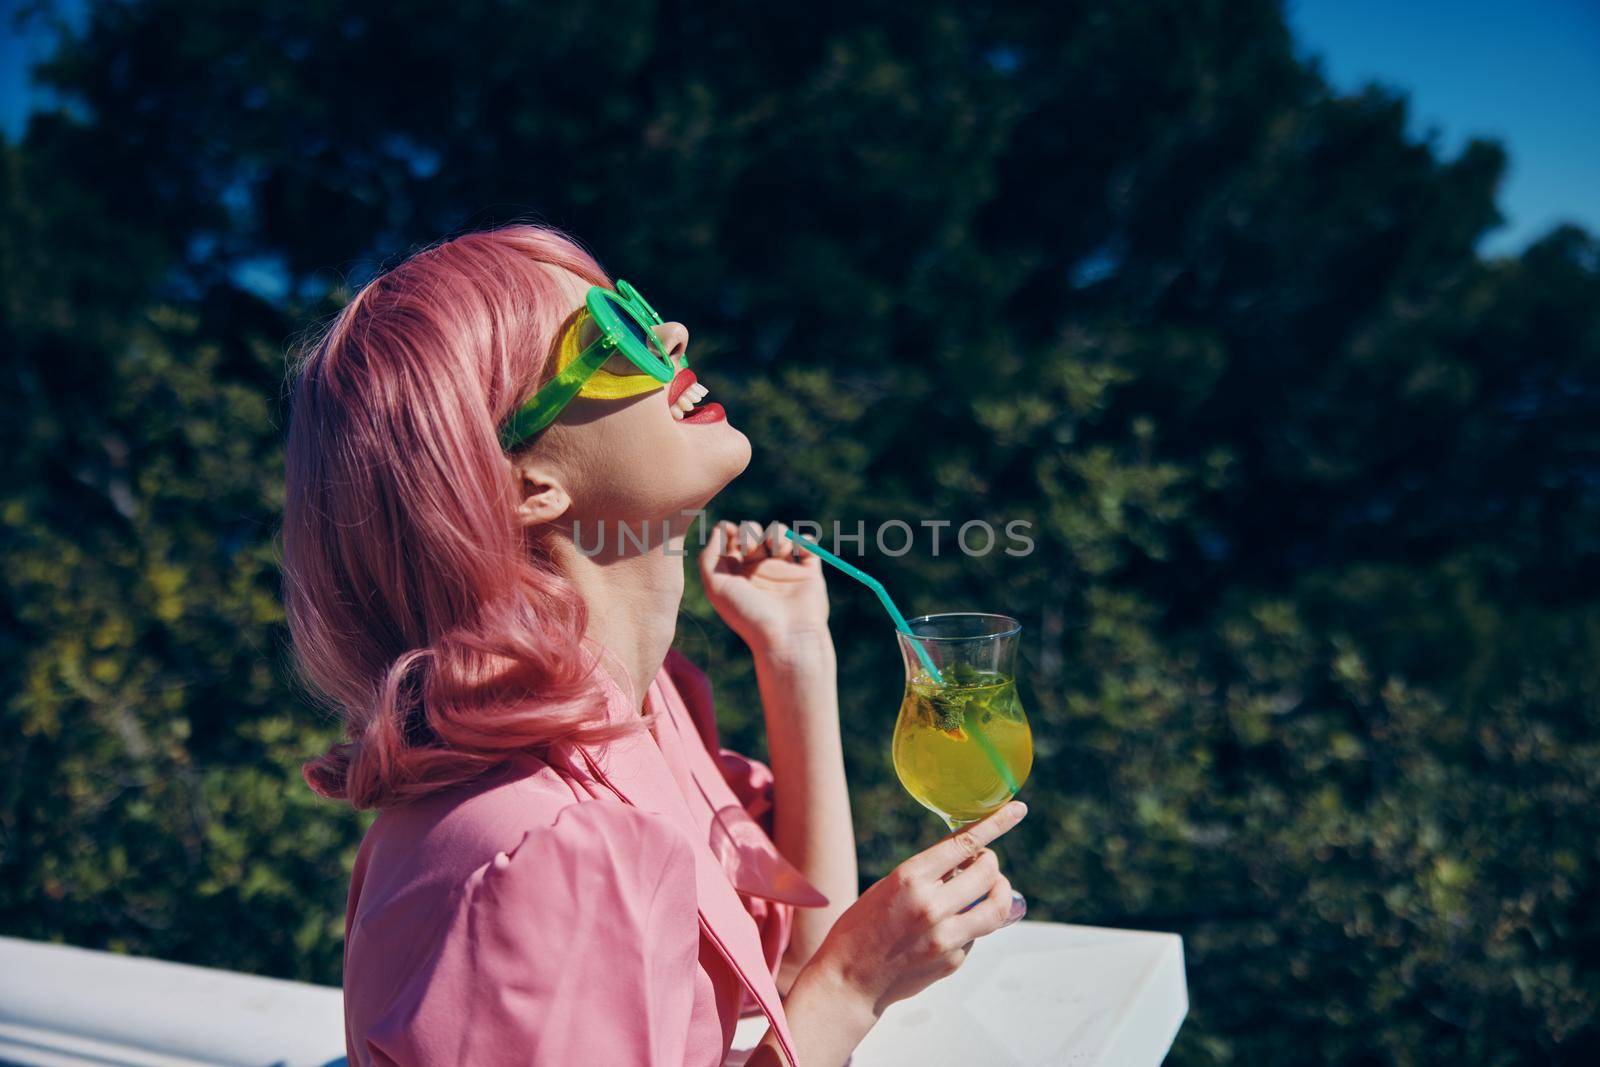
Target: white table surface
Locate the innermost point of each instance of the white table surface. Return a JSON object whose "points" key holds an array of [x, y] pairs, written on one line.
{"points": [[1035, 995]]}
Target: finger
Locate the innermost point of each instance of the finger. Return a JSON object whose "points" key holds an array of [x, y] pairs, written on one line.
{"points": [[715, 548], [805, 558], [729, 543], [778, 545], [963, 865], [966, 842], [716, 541], [986, 916], [732, 555], [972, 881], [750, 540]]}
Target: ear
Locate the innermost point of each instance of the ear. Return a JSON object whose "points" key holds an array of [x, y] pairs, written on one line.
{"points": [[543, 498]]}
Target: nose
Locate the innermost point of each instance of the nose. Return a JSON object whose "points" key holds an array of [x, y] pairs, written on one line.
{"points": [[675, 339]]}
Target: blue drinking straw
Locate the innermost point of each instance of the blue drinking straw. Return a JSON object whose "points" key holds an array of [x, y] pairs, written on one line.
{"points": [[883, 594], [904, 627]]}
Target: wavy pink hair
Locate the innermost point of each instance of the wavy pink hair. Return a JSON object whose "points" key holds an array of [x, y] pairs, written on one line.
{"points": [[417, 607]]}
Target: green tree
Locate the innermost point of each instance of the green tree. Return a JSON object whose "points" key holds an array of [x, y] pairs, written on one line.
{"points": [[1312, 629]]}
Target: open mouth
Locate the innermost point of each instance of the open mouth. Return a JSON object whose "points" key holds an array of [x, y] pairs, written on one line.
{"points": [[686, 398]]}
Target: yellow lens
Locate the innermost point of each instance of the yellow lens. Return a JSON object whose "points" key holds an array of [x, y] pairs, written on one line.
{"points": [[602, 385], [607, 386]]}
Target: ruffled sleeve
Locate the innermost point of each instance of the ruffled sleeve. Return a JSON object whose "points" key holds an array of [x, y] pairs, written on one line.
{"points": [[576, 945], [752, 782]]}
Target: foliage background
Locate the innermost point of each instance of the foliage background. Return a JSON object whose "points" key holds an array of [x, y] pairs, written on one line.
{"points": [[1312, 620]]}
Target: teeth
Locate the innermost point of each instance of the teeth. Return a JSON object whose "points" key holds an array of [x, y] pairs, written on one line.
{"points": [[688, 399]]}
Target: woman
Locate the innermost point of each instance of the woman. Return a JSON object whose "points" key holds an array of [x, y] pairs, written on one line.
{"points": [[491, 455]]}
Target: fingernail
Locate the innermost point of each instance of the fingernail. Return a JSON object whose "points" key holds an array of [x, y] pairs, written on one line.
{"points": [[1019, 908]]}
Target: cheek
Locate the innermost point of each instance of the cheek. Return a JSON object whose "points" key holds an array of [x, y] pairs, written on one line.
{"points": [[636, 463], [639, 463]]}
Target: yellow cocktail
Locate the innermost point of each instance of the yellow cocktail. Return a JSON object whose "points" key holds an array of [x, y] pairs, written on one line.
{"points": [[937, 752], [962, 746]]}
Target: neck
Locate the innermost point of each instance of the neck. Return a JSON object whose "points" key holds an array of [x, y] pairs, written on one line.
{"points": [[633, 606]]}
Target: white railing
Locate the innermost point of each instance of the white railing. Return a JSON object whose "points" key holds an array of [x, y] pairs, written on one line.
{"points": [[73, 1007], [1032, 995]]}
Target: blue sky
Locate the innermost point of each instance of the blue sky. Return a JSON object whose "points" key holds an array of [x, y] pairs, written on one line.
{"points": [[1525, 72]]}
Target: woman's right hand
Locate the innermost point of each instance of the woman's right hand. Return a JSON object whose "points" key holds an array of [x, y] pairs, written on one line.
{"points": [[908, 930]]}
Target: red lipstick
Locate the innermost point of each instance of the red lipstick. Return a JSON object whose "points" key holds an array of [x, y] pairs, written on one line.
{"points": [[711, 412], [680, 381]]}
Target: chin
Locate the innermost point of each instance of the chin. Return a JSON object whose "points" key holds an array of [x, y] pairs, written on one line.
{"points": [[726, 454]]}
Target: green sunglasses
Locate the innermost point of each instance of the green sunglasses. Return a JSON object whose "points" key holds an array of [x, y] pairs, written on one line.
{"points": [[626, 322]]}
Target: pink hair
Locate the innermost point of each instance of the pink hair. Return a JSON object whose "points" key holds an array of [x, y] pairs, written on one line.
{"points": [[417, 607]]}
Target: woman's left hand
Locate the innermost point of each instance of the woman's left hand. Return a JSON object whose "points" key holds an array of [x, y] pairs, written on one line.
{"points": [[768, 591]]}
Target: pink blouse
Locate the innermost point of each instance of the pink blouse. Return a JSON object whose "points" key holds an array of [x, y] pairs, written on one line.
{"points": [[620, 904]]}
